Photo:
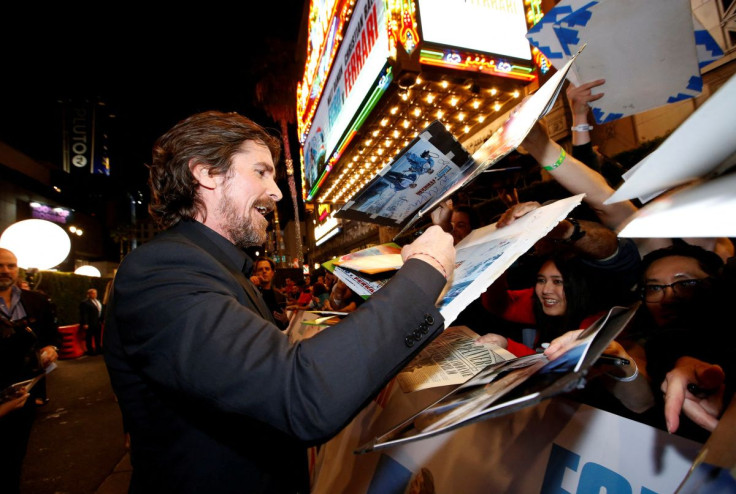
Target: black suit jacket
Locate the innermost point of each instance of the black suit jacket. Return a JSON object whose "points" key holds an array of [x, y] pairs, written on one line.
{"points": [[18, 355], [41, 317], [213, 395], [89, 315]]}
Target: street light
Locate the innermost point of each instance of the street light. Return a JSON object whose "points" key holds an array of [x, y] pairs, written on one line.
{"points": [[88, 270], [38, 244]]}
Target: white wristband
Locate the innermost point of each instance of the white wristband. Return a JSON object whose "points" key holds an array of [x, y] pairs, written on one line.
{"points": [[581, 128]]}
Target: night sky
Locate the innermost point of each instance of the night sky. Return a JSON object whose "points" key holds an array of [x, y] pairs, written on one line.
{"points": [[150, 70]]}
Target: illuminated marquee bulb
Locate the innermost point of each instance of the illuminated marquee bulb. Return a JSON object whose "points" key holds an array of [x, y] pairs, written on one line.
{"points": [[516, 94], [384, 122], [476, 104], [481, 118], [396, 134], [444, 84], [496, 106], [405, 123], [430, 98], [494, 91], [461, 116], [440, 113], [453, 101], [394, 110], [417, 111]]}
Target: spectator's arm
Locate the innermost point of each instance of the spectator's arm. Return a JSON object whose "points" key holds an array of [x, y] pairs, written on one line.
{"points": [[597, 241], [577, 178], [579, 98]]}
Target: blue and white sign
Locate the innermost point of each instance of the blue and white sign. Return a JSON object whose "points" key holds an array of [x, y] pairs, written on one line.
{"points": [[639, 48]]}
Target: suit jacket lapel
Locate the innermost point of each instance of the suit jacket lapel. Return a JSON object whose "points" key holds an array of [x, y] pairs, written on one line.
{"points": [[253, 294]]}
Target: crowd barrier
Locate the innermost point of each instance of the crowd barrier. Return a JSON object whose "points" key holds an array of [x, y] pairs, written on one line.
{"points": [[73, 344], [558, 446]]}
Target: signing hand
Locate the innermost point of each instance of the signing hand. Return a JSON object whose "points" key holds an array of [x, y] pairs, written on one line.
{"points": [[435, 247]]}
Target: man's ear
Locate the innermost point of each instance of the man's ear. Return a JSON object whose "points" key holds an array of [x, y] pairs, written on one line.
{"points": [[201, 172]]}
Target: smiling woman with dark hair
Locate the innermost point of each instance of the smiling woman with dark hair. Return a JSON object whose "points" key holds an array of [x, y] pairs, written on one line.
{"points": [[561, 300]]}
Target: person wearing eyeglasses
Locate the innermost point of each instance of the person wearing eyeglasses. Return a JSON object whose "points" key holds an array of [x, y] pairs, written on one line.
{"points": [[674, 280], [687, 294]]}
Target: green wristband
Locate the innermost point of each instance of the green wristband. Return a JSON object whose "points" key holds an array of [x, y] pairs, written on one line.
{"points": [[557, 163]]}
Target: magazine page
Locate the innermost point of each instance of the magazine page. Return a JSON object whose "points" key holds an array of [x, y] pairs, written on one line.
{"points": [[486, 253], [373, 260], [430, 164], [507, 386], [451, 358], [361, 285], [480, 258], [382, 260]]}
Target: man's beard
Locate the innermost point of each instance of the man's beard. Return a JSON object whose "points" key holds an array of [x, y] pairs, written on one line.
{"points": [[6, 282], [241, 229]]}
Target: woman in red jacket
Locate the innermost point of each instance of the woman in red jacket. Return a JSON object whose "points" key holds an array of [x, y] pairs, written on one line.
{"points": [[561, 300]]}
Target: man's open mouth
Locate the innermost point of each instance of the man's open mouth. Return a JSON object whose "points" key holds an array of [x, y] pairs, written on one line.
{"points": [[265, 207]]}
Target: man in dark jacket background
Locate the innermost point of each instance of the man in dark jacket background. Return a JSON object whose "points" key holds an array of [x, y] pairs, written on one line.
{"points": [[90, 320]]}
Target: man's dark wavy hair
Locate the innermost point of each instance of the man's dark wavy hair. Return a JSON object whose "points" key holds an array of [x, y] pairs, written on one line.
{"points": [[209, 137]]}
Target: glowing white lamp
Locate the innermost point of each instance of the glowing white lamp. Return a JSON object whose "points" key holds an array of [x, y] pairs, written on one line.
{"points": [[88, 271], [37, 244]]}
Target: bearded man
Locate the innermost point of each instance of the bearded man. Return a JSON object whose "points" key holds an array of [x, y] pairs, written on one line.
{"points": [[214, 396]]}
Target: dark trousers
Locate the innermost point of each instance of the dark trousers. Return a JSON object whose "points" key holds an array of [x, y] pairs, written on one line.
{"points": [[15, 430], [94, 334]]}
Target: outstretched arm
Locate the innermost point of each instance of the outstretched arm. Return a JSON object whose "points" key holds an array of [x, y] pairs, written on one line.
{"points": [[597, 241], [576, 177]]}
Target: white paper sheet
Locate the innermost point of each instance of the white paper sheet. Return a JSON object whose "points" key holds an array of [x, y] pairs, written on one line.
{"points": [[704, 211], [701, 144]]}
